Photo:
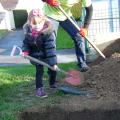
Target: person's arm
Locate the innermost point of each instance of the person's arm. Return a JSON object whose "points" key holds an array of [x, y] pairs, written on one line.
{"points": [[88, 16], [25, 48], [53, 3], [50, 50], [87, 19], [25, 44]]}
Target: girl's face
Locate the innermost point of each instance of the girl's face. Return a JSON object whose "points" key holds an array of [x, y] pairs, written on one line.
{"points": [[37, 22]]}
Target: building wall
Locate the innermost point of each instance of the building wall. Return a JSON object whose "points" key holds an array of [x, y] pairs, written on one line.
{"points": [[7, 21], [105, 24], [8, 5]]}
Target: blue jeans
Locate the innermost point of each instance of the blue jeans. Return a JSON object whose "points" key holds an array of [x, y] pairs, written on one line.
{"points": [[78, 40]]}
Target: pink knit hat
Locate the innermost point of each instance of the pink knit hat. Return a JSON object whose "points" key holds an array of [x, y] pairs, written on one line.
{"points": [[35, 12]]}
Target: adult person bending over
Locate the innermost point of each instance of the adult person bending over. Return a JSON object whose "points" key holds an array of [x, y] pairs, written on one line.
{"points": [[58, 18], [79, 13]]}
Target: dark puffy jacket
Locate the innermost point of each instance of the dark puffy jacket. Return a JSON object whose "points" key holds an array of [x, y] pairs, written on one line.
{"points": [[43, 47]]}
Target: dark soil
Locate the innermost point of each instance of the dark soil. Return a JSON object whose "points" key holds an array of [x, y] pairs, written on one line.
{"points": [[103, 79]]}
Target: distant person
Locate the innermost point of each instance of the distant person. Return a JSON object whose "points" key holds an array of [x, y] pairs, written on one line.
{"points": [[39, 43], [58, 18]]}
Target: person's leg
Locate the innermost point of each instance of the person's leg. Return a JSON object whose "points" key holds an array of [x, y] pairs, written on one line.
{"points": [[79, 43], [52, 78], [87, 48], [39, 78]]}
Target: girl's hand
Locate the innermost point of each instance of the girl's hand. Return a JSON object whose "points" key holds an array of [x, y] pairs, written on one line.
{"points": [[54, 67], [25, 53]]}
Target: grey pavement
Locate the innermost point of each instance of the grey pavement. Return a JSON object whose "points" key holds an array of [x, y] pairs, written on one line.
{"points": [[15, 38]]}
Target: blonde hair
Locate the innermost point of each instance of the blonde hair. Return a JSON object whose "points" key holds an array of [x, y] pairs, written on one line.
{"points": [[36, 16]]}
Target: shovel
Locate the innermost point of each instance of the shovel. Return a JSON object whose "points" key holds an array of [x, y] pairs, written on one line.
{"points": [[74, 79], [77, 27]]}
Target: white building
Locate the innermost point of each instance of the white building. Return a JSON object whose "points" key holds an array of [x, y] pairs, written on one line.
{"points": [[105, 24], [6, 19], [7, 7]]}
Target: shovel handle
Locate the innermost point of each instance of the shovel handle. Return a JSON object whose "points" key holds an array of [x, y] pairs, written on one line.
{"points": [[45, 64], [77, 27], [36, 60]]}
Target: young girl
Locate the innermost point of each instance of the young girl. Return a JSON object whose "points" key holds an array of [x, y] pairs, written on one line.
{"points": [[39, 42]]}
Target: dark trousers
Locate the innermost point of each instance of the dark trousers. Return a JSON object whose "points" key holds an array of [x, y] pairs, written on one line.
{"points": [[78, 40], [39, 76]]}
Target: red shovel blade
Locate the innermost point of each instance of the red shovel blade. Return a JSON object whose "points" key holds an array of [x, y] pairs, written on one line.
{"points": [[75, 79]]}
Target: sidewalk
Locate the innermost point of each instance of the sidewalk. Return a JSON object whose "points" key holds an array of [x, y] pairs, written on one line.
{"points": [[15, 38]]}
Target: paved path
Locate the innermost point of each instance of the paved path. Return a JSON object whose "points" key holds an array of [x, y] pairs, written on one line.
{"points": [[15, 38]]}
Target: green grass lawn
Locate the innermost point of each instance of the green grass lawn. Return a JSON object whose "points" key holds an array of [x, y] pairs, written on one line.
{"points": [[17, 90], [63, 40]]}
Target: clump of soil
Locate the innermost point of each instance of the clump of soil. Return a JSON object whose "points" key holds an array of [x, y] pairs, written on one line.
{"points": [[104, 76]]}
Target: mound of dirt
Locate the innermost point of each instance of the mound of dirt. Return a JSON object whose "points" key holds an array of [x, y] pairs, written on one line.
{"points": [[108, 51], [103, 79], [104, 76]]}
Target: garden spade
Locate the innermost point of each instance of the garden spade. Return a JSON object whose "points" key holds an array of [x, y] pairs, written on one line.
{"points": [[78, 28], [73, 77], [76, 91]]}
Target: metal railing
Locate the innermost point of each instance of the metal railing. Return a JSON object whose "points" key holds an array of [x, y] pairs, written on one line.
{"points": [[104, 21]]}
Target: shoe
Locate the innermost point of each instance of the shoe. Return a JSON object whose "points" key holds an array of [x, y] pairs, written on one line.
{"points": [[40, 93], [83, 67], [53, 86]]}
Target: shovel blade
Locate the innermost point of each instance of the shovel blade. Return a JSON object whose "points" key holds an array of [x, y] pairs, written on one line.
{"points": [[75, 79]]}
